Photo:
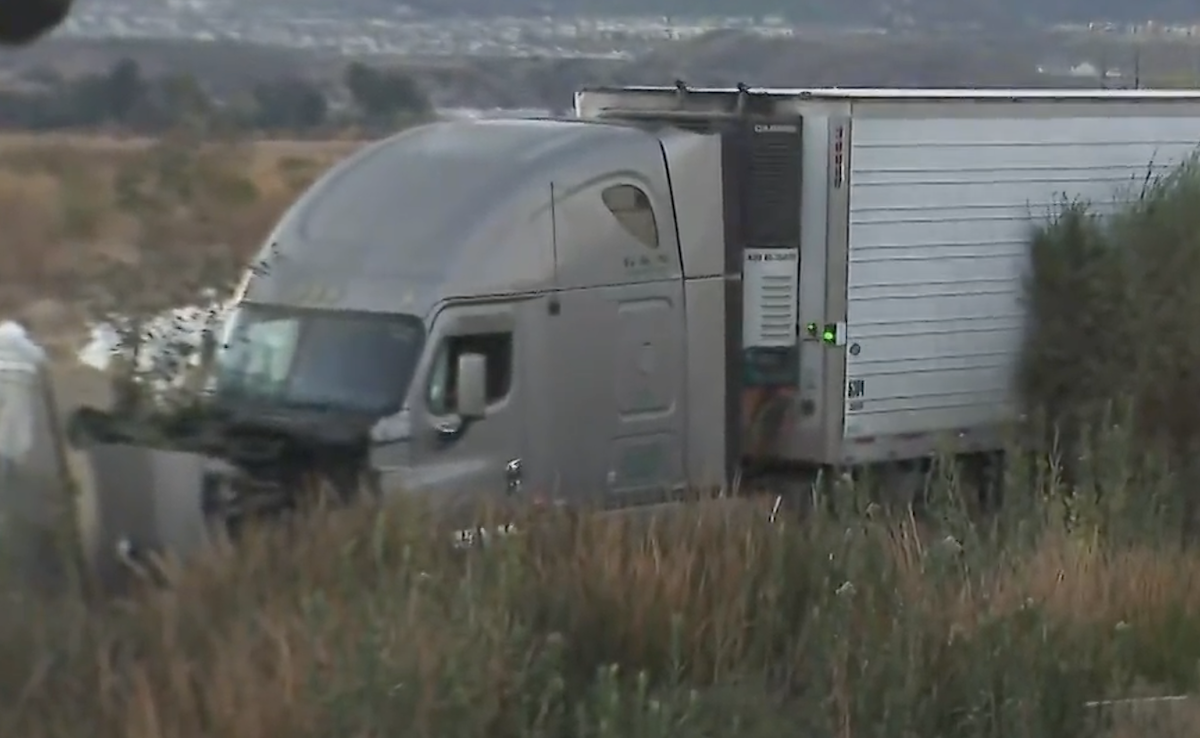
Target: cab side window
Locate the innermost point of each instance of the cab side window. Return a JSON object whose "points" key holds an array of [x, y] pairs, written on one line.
{"points": [[632, 209], [497, 347]]}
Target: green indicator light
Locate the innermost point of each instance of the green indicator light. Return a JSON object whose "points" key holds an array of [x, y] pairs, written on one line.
{"points": [[812, 329], [829, 335]]}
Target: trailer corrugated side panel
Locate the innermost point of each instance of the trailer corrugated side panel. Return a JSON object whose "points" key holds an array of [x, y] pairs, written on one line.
{"points": [[940, 217]]}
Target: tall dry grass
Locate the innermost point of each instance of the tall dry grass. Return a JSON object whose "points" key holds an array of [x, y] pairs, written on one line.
{"points": [[709, 619]]}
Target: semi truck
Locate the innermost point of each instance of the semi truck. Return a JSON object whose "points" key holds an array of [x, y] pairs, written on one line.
{"points": [[673, 289]]}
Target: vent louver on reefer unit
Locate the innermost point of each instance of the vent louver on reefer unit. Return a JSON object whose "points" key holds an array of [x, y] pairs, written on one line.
{"points": [[770, 279], [770, 298]]}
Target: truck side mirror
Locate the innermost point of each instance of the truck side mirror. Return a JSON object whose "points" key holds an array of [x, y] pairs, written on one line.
{"points": [[472, 386]]}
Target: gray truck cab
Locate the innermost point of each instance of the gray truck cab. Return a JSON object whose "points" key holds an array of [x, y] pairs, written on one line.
{"points": [[517, 307]]}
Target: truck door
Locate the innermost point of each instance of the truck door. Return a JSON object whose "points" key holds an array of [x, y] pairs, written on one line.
{"points": [[645, 453], [619, 407], [461, 461]]}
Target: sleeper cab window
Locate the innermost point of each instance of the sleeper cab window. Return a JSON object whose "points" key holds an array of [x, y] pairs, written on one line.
{"points": [[630, 205], [443, 383]]}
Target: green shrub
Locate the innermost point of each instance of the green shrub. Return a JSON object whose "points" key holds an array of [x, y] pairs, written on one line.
{"points": [[1115, 305]]}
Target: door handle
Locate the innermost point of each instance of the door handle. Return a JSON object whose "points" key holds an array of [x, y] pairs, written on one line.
{"points": [[512, 475]]}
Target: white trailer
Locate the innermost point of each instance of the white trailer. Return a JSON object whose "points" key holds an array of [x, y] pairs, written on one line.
{"points": [[916, 210]]}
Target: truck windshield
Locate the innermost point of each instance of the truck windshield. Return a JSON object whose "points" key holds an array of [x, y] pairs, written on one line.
{"points": [[312, 359]]}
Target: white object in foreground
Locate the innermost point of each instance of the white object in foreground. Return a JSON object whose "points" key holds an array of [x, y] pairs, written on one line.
{"points": [[35, 491]]}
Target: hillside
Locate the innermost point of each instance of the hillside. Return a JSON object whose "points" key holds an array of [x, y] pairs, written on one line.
{"points": [[923, 12]]}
